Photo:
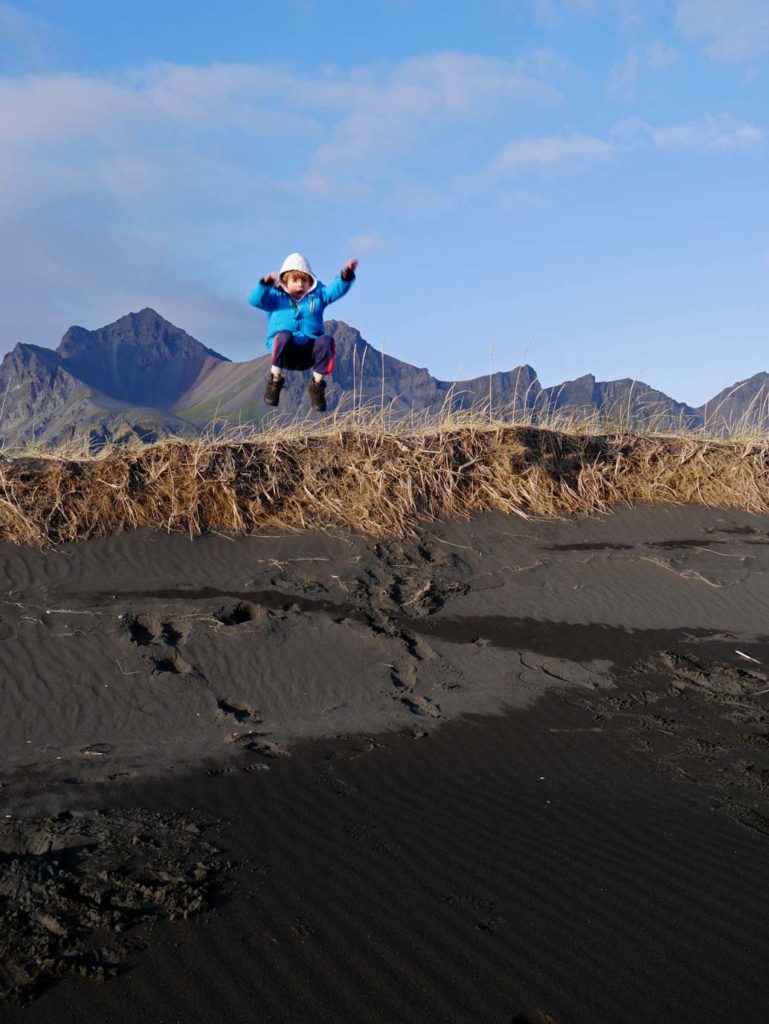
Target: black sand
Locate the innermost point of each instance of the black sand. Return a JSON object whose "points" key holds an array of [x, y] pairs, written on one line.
{"points": [[553, 792]]}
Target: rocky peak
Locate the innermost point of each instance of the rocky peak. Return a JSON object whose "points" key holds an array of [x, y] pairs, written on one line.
{"points": [[140, 358]]}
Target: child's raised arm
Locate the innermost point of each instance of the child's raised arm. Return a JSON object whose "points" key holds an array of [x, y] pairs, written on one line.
{"points": [[261, 296], [341, 284]]}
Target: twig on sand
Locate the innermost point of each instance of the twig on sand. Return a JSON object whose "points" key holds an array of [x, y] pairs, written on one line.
{"points": [[685, 574], [280, 562], [451, 544], [420, 593], [68, 611], [722, 554], [123, 671], [746, 656]]}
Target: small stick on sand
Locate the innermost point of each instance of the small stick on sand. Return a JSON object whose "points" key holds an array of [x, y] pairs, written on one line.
{"points": [[685, 574], [747, 657]]}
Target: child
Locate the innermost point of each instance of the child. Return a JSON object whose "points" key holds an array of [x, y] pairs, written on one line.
{"points": [[295, 299]]}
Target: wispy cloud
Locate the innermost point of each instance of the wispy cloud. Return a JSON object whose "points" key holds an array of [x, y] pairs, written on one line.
{"points": [[547, 155], [562, 154], [406, 112], [712, 133], [624, 75], [718, 133], [737, 30], [544, 64]]}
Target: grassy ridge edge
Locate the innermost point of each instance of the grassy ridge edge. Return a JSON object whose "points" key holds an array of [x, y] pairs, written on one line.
{"points": [[382, 481]]}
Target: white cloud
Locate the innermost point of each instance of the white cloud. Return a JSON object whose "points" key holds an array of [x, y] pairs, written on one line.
{"points": [[544, 63], [737, 30], [717, 133], [543, 155], [713, 133], [363, 117], [623, 78], [55, 109], [404, 113], [553, 153]]}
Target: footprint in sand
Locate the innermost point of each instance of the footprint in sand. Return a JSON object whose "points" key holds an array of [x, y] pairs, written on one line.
{"points": [[418, 705], [163, 639], [145, 631], [172, 662], [244, 611], [404, 693], [239, 711]]}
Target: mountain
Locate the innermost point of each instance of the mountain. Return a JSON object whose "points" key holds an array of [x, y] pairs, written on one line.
{"points": [[141, 359], [746, 403], [143, 377], [113, 383], [619, 401]]}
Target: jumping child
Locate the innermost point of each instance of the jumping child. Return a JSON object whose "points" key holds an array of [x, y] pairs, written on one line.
{"points": [[294, 300]]}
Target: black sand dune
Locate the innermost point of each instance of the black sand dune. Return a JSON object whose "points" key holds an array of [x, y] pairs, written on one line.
{"points": [[505, 764]]}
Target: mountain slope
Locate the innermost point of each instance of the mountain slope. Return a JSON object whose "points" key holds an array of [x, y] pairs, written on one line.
{"points": [[43, 403], [626, 402], [141, 359], [144, 377], [113, 383], [746, 402]]}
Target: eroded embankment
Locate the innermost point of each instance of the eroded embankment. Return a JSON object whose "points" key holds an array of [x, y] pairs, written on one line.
{"points": [[382, 483]]}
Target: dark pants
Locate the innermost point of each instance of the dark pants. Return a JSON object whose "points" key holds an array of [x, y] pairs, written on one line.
{"points": [[315, 354]]}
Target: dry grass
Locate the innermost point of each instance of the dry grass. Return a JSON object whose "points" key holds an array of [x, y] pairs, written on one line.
{"points": [[365, 472]]}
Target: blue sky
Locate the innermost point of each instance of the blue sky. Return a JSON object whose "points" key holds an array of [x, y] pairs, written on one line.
{"points": [[577, 184]]}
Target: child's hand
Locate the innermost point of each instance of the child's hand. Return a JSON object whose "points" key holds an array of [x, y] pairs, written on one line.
{"points": [[348, 270], [271, 278]]}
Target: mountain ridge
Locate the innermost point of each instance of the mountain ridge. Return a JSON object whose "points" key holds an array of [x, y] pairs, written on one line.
{"points": [[144, 377]]}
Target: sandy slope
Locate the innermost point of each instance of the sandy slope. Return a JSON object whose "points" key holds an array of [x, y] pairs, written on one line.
{"points": [[146, 651], [530, 763]]}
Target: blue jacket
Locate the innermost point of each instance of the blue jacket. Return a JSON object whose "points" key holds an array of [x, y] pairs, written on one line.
{"points": [[304, 318]]}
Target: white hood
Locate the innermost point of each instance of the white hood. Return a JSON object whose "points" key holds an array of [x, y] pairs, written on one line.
{"points": [[297, 262]]}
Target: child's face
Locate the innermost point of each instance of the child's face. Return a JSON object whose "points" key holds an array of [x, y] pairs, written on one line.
{"points": [[296, 284]]}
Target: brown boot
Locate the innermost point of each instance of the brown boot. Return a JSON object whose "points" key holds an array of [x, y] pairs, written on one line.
{"points": [[274, 384], [317, 392]]}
